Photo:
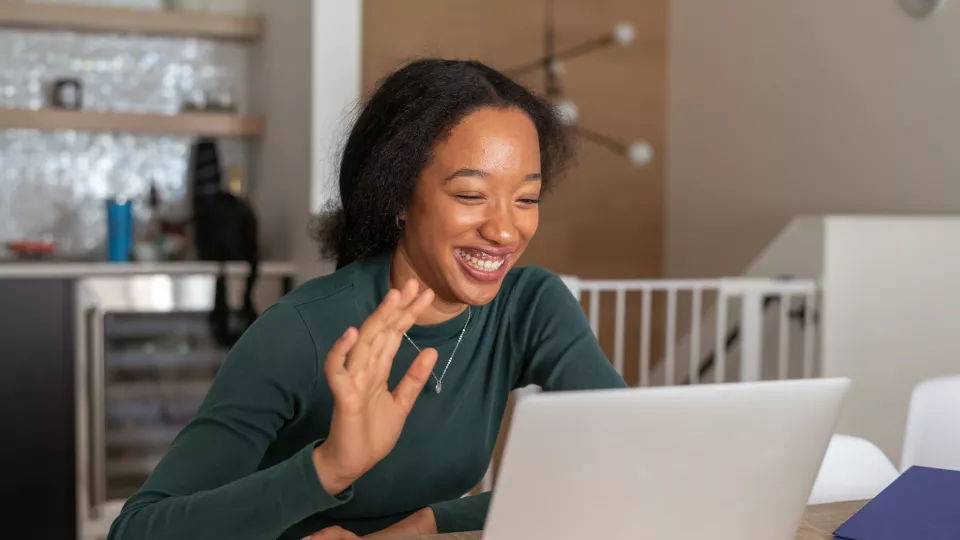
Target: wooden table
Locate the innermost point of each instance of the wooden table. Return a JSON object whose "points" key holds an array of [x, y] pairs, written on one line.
{"points": [[818, 523]]}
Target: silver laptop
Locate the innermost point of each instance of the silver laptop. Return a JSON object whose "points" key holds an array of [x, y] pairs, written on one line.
{"points": [[724, 462]]}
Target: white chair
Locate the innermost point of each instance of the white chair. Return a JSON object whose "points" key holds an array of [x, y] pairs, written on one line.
{"points": [[853, 469], [932, 438]]}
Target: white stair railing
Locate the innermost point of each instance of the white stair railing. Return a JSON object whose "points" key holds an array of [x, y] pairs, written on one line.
{"points": [[711, 330]]}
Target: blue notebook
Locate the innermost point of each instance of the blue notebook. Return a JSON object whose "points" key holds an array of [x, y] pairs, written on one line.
{"points": [[923, 504]]}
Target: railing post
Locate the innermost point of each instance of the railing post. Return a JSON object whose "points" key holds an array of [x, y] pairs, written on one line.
{"points": [[751, 328], [645, 324], [572, 283]]}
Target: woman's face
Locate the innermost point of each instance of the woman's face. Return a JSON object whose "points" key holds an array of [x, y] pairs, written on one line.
{"points": [[474, 208]]}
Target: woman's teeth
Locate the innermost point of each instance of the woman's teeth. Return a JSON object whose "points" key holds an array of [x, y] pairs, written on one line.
{"points": [[484, 265]]}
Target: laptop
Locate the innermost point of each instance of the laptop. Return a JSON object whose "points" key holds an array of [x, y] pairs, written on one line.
{"points": [[719, 461]]}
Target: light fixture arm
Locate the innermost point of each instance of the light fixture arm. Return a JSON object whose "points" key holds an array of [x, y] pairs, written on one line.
{"points": [[639, 153], [586, 47], [606, 141], [552, 85]]}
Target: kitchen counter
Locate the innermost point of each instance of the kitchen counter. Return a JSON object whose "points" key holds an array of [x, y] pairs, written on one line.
{"points": [[61, 270]]}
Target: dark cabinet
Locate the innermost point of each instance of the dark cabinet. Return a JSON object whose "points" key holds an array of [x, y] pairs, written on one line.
{"points": [[98, 374], [38, 464]]}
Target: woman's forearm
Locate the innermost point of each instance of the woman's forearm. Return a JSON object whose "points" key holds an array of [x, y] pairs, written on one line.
{"points": [[260, 505]]}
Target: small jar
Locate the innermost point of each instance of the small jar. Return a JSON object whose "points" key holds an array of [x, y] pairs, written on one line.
{"points": [[67, 94]]}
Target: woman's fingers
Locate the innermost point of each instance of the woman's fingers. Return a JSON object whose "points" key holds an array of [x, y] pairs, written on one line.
{"points": [[405, 294], [406, 319], [359, 358], [381, 319], [414, 310], [380, 343], [381, 334], [335, 364], [408, 293], [380, 316], [384, 360], [406, 392], [331, 533]]}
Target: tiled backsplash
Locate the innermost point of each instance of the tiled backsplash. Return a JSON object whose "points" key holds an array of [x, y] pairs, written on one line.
{"points": [[53, 184]]}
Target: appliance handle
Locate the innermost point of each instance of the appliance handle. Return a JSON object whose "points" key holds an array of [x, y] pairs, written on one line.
{"points": [[98, 443]]}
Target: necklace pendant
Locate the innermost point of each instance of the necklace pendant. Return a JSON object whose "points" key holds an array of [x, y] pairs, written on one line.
{"points": [[438, 387]]}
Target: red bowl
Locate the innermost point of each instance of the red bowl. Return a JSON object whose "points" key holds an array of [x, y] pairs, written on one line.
{"points": [[27, 248]]}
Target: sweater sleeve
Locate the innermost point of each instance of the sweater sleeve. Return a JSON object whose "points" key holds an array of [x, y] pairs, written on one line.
{"points": [[560, 350], [207, 485]]}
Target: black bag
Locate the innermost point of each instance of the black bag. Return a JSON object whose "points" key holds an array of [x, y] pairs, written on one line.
{"points": [[225, 229]]}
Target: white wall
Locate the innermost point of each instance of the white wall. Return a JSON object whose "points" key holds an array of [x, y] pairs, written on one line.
{"points": [[306, 81], [796, 252], [891, 301], [780, 108], [335, 93], [337, 64]]}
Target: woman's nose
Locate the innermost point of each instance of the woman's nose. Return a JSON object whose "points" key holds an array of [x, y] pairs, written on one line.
{"points": [[500, 227]]}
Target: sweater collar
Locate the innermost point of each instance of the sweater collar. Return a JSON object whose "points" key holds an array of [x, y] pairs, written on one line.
{"points": [[371, 281]]}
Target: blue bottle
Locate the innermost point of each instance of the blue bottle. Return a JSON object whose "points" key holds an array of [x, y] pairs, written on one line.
{"points": [[119, 229]]}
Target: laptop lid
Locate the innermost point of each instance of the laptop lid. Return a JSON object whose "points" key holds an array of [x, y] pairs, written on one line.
{"points": [[721, 461]]}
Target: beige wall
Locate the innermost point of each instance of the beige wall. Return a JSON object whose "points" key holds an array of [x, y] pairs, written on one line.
{"points": [[803, 107], [606, 218]]}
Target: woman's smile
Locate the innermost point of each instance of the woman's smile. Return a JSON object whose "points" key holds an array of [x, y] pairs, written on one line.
{"points": [[484, 264]]}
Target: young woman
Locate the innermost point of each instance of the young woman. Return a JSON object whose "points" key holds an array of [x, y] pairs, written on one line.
{"points": [[368, 401]]}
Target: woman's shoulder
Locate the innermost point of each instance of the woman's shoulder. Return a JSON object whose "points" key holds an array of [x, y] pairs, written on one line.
{"points": [[327, 288], [527, 283], [533, 298], [326, 305], [532, 275]]}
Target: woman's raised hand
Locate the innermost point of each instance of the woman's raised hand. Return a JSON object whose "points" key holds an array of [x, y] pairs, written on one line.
{"points": [[367, 416]]}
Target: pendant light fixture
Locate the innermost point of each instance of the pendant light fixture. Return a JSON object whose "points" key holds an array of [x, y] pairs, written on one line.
{"points": [[552, 63]]}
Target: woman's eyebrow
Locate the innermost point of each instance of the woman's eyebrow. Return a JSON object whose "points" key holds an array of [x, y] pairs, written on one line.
{"points": [[477, 173]]}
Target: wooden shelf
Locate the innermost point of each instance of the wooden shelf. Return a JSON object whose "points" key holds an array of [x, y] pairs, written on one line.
{"points": [[131, 21], [199, 123]]}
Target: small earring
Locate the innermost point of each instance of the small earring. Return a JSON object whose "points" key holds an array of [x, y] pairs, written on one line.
{"points": [[399, 222]]}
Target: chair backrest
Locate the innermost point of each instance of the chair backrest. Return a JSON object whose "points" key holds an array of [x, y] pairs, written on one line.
{"points": [[932, 438], [853, 469]]}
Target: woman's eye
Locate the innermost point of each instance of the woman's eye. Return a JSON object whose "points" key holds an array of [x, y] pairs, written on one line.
{"points": [[529, 202], [469, 197]]}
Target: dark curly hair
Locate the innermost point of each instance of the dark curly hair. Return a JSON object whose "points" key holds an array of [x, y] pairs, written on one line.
{"points": [[392, 140]]}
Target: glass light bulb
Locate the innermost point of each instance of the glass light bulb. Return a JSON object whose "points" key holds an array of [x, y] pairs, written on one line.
{"points": [[640, 153], [624, 33], [568, 111]]}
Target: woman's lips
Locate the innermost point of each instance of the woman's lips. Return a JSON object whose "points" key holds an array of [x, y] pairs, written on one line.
{"points": [[483, 265]]}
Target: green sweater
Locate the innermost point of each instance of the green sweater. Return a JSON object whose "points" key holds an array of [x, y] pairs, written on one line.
{"points": [[242, 468]]}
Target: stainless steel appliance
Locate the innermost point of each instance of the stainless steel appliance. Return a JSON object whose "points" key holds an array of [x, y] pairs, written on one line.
{"points": [[146, 360]]}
